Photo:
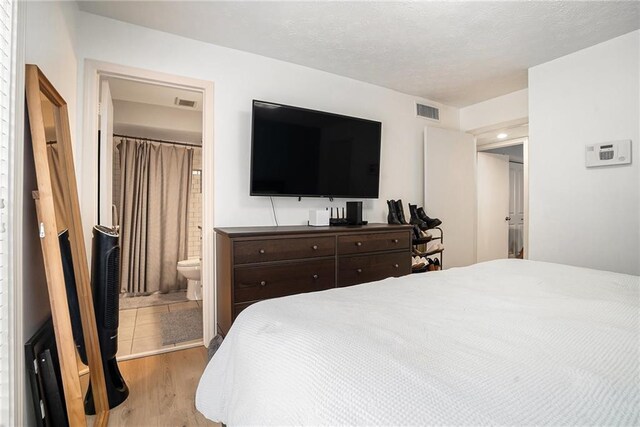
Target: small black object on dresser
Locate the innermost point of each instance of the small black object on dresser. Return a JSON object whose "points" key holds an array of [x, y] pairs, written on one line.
{"points": [[354, 213]]}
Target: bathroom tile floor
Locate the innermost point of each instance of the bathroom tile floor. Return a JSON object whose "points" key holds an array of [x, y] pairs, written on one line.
{"points": [[140, 332]]}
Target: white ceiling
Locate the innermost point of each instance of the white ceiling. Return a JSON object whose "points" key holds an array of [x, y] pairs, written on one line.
{"points": [[515, 152], [514, 131], [457, 53], [145, 93]]}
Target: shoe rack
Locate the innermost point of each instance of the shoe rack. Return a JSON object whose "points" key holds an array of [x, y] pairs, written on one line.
{"points": [[421, 245]]}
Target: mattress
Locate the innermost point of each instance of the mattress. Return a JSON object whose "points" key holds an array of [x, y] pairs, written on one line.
{"points": [[507, 342]]}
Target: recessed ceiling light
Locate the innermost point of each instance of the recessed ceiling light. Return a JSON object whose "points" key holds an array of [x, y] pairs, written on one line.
{"points": [[502, 135]]}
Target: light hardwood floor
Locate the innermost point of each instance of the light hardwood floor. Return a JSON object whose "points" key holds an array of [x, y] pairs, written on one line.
{"points": [[161, 390]]}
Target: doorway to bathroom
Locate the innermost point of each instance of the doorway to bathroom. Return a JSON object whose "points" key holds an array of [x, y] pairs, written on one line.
{"points": [[150, 172]]}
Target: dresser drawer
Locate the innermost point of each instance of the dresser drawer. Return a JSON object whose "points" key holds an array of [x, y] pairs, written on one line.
{"points": [[253, 251], [256, 283], [372, 242], [353, 270]]}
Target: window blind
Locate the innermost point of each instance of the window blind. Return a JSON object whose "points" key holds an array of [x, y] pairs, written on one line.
{"points": [[7, 9]]}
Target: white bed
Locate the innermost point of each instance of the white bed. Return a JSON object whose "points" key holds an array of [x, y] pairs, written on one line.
{"points": [[507, 342]]}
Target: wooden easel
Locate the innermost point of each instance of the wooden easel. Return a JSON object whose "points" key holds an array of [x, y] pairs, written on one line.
{"points": [[36, 84]]}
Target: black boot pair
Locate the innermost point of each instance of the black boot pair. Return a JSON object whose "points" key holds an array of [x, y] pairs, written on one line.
{"points": [[396, 212], [419, 217]]}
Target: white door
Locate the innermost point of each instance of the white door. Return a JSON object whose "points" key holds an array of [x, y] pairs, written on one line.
{"points": [[516, 209], [493, 206], [105, 183], [450, 191]]}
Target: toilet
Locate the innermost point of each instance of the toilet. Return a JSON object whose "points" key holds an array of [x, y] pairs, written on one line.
{"points": [[190, 270]]}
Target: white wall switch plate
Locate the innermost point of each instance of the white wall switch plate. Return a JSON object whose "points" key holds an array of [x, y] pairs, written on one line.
{"points": [[608, 153]]}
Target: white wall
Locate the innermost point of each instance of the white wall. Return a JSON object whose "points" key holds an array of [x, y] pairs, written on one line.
{"points": [[50, 44], [579, 216], [503, 109], [156, 121], [450, 191], [240, 77]]}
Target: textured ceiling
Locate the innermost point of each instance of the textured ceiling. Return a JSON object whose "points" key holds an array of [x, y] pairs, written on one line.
{"points": [[457, 53]]}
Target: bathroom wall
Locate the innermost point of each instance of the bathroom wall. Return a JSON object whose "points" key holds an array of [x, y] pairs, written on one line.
{"points": [[158, 121], [195, 207]]}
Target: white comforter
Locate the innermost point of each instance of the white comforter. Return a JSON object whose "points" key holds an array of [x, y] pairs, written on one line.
{"points": [[505, 342]]}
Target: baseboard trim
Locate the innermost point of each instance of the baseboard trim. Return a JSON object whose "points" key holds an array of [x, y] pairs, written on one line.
{"points": [[178, 347]]}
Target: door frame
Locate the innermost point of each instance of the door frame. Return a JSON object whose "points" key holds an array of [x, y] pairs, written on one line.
{"points": [[525, 159], [105, 157], [18, 405], [93, 71]]}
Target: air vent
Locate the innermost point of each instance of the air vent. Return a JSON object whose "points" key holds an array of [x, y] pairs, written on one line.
{"points": [[185, 103], [428, 112]]}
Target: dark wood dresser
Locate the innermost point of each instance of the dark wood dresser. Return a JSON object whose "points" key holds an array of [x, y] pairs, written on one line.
{"points": [[257, 263]]}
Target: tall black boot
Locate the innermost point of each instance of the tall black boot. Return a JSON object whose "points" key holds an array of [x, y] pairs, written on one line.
{"points": [[414, 217], [416, 233], [392, 218], [400, 212], [431, 222]]}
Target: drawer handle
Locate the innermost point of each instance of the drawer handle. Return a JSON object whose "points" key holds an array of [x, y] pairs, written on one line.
{"points": [[261, 251], [263, 283], [396, 265], [395, 240], [314, 247], [359, 271], [315, 276], [358, 243]]}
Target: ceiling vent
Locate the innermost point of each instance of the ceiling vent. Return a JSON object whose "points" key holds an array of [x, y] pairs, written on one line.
{"points": [[428, 112], [185, 103]]}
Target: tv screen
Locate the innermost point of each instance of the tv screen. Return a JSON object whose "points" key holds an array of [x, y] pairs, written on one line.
{"points": [[300, 152]]}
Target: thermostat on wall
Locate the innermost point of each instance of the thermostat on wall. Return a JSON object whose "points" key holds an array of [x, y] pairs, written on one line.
{"points": [[609, 153]]}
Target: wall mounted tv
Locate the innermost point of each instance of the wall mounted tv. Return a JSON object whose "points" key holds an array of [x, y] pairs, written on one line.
{"points": [[305, 153]]}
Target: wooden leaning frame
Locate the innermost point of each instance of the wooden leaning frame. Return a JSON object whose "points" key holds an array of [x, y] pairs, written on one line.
{"points": [[36, 83]]}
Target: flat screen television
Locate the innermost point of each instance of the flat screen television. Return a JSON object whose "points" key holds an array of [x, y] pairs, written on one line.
{"points": [[306, 153]]}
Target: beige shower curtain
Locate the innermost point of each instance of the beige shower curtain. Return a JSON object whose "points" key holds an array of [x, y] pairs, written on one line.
{"points": [[154, 197]]}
